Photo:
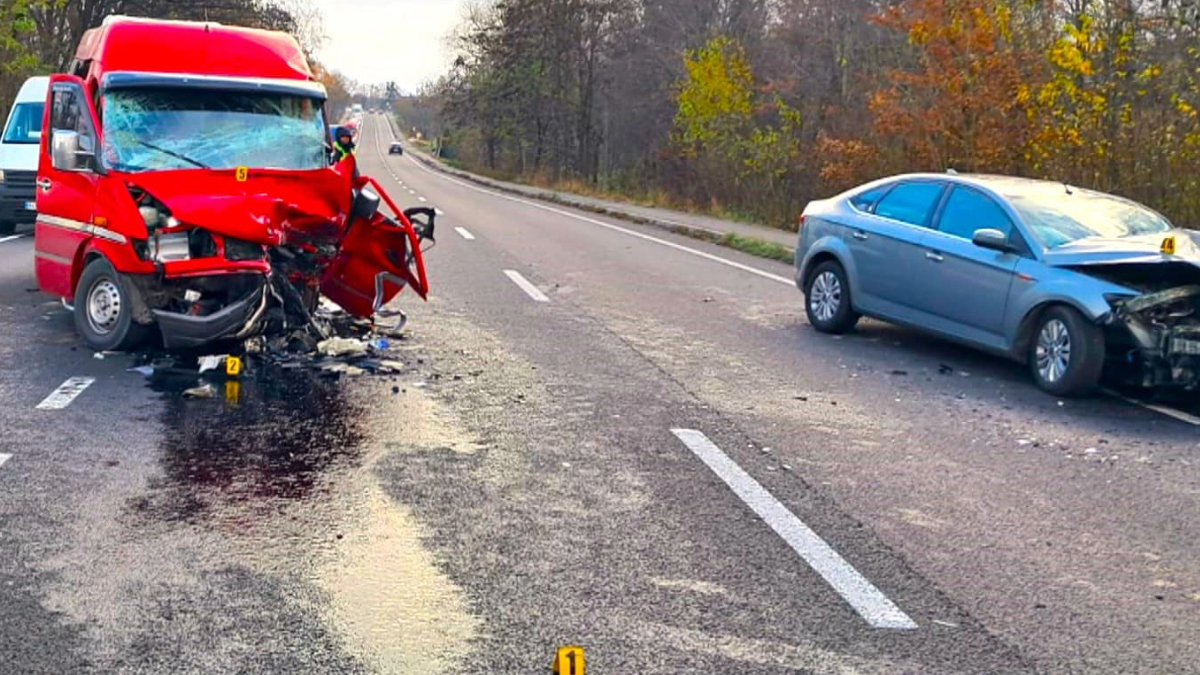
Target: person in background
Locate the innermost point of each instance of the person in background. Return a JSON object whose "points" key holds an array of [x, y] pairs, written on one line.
{"points": [[343, 144]]}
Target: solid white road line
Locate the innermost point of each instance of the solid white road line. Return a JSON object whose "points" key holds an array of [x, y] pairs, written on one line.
{"points": [[870, 603], [66, 392], [4, 458], [614, 228], [10, 237], [530, 290], [1160, 409], [462, 232]]}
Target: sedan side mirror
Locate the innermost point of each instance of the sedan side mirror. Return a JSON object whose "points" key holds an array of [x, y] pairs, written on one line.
{"points": [[992, 239], [70, 151]]}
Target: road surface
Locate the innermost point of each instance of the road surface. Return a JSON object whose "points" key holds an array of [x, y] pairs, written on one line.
{"points": [[604, 436]]}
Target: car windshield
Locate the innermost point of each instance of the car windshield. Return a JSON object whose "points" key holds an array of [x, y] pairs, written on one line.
{"points": [[1057, 217], [154, 129], [25, 124]]}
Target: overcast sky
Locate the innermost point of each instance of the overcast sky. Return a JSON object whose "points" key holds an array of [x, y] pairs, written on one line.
{"points": [[374, 41]]}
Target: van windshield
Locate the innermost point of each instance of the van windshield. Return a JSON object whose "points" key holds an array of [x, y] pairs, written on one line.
{"points": [[25, 124], [156, 129]]}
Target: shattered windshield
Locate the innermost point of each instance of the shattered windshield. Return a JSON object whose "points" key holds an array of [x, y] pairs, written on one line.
{"points": [[155, 129], [1060, 217]]}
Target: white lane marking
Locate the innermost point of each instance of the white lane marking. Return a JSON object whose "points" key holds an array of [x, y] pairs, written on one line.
{"points": [[1160, 409], [66, 392], [462, 232], [4, 458], [439, 212], [530, 290], [614, 228], [422, 199], [10, 237], [870, 603]]}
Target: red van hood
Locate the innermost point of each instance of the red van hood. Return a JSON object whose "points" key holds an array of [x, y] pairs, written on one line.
{"points": [[269, 207]]}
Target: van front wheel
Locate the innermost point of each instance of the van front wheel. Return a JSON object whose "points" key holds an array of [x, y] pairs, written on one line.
{"points": [[104, 309]]}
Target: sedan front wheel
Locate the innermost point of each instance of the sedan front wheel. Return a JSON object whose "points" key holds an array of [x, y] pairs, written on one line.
{"points": [[1067, 352]]}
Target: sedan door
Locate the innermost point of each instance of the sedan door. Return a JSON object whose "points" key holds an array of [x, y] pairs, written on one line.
{"points": [[886, 245], [965, 286]]}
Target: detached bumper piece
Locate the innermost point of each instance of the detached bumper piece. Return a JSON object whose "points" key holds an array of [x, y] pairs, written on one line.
{"points": [[184, 331]]}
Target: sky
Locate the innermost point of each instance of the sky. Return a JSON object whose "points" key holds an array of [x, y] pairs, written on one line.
{"points": [[376, 41]]}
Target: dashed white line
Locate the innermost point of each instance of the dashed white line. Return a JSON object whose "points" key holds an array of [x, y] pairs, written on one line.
{"points": [[614, 228], [462, 232], [66, 392], [530, 290], [422, 199], [10, 237], [439, 212], [870, 603], [4, 458], [1160, 409]]}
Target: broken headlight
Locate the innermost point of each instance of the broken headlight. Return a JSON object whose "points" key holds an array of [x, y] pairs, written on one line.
{"points": [[239, 249], [169, 247]]}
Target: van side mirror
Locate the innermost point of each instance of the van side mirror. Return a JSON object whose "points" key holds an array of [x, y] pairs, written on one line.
{"points": [[992, 239], [71, 151]]}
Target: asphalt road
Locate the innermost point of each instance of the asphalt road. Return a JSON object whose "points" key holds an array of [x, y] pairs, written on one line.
{"points": [[882, 503]]}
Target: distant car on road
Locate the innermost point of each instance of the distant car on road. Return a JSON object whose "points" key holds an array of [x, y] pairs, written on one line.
{"points": [[395, 149], [1066, 280]]}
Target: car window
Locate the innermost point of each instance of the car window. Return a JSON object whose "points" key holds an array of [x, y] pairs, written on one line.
{"points": [[863, 201], [968, 210], [25, 125], [1058, 216], [910, 202]]}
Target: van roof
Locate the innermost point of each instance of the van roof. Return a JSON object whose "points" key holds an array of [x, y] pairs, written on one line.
{"points": [[34, 89], [198, 48]]}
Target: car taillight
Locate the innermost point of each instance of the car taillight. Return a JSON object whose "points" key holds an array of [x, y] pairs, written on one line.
{"points": [[802, 219]]}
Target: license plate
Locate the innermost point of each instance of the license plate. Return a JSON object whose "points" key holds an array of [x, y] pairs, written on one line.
{"points": [[31, 206]]}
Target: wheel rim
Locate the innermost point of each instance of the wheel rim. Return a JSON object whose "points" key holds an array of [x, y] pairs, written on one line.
{"points": [[103, 306], [825, 296], [1053, 351]]}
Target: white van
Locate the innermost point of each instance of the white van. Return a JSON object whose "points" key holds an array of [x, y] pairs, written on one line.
{"points": [[19, 155]]}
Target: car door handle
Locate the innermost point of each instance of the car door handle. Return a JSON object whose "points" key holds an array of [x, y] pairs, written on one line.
{"points": [[935, 257], [861, 236], [45, 184]]}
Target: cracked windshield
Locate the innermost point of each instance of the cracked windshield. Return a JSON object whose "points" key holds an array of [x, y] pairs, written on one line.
{"points": [[430, 337]]}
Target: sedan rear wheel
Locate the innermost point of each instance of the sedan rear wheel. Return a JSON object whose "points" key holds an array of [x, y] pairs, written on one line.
{"points": [[1067, 352], [827, 299]]}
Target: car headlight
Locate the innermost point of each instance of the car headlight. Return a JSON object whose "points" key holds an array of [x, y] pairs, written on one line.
{"points": [[1118, 299], [169, 247]]}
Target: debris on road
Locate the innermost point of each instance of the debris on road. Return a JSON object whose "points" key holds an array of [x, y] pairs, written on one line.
{"points": [[146, 371], [205, 390], [342, 347], [944, 369], [208, 363]]}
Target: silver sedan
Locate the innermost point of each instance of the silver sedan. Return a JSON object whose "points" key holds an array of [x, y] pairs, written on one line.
{"points": [[1073, 282]]}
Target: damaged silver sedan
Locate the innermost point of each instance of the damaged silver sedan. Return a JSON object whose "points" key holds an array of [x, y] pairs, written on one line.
{"points": [[1078, 284]]}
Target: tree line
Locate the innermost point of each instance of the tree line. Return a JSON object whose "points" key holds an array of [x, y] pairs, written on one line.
{"points": [[753, 107]]}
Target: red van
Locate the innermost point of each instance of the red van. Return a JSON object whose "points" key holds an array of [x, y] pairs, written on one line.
{"points": [[185, 189]]}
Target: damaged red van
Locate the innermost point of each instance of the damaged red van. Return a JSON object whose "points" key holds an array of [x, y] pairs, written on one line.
{"points": [[185, 189]]}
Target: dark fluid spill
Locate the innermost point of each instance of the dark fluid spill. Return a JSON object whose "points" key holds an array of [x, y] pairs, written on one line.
{"points": [[271, 434]]}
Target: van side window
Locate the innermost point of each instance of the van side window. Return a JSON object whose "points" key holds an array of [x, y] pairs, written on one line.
{"points": [[69, 112]]}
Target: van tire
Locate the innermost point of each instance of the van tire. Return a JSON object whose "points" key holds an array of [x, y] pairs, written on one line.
{"points": [[104, 309]]}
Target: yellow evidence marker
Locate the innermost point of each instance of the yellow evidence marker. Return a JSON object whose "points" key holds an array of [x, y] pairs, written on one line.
{"points": [[242, 174], [570, 661], [233, 392], [233, 366], [1168, 245]]}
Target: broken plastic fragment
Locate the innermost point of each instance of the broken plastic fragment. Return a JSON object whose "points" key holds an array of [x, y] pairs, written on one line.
{"points": [[144, 370], [342, 347], [205, 390], [208, 363]]}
